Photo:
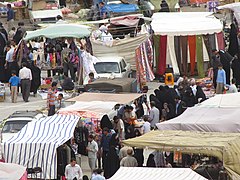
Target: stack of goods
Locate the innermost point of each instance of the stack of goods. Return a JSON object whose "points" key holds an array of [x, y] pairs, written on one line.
{"points": [[207, 86]]}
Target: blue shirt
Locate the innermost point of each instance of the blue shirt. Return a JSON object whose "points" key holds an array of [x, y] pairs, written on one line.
{"points": [[103, 10], [221, 76], [14, 81], [10, 14], [105, 142]]}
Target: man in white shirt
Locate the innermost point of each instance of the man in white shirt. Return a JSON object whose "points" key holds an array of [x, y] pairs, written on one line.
{"points": [[92, 149], [146, 126], [9, 64], [73, 171], [25, 76], [118, 126], [153, 115], [233, 87]]}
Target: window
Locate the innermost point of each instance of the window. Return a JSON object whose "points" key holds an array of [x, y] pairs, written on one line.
{"points": [[13, 126], [107, 67]]}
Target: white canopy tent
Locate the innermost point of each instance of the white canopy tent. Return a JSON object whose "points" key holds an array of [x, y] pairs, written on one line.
{"points": [[222, 101], [144, 173], [205, 119], [37, 142], [185, 23]]}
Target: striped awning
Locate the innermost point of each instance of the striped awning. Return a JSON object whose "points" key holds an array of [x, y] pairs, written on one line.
{"points": [[36, 144]]}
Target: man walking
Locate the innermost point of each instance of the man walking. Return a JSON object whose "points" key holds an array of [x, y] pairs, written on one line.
{"points": [[10, 17], [73, 171], [25, 76], [51, 99], [92, 149], [154, 115]]}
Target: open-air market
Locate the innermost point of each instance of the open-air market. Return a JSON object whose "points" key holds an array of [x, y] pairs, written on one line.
{"points": [[119, 89]]}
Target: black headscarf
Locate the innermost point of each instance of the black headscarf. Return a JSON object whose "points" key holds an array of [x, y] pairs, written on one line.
{"points": [[105, 122]]}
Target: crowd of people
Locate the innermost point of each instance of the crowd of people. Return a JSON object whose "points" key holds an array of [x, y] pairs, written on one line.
{"points": [[104, 147]]}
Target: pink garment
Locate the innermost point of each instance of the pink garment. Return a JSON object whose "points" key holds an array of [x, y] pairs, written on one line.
{"points": [[220, 41]]}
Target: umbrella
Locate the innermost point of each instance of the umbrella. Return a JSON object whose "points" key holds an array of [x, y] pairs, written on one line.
{"points": [[59, 30]]}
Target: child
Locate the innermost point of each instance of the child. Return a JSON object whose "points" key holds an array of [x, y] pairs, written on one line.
{"points": [[14, 82], [61, 101]]}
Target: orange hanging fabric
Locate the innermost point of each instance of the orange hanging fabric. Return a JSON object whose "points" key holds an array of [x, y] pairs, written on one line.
{"points": [[192, 52]]}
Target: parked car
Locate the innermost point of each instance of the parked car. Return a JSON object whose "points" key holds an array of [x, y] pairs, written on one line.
{"points": [[113, 66], [17, 121]]}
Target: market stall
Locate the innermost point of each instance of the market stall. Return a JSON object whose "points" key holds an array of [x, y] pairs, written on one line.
{"points": [[184, 40], [48, 46], [224, 146], [217, 114], [129, 34], [156, 173], [37, 142]]}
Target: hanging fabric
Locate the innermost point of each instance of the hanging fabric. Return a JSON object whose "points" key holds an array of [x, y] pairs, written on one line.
{"points": [[192, 52], [199, 47], [212, 41], [162, 55], [177, 48], [220, 41], [208, 46], [156, 42], [171, 54], [184, 50]]}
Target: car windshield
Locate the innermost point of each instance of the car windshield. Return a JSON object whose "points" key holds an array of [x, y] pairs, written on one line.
{"points": [[107, 67], [13, 126]]}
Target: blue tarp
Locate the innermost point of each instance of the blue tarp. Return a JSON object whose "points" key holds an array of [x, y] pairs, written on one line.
{"points": [[122, 8]]}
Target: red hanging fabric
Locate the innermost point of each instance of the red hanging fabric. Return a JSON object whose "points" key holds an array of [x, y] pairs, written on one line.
{"points": [[162, 55], [220, 41], [192, 52]]}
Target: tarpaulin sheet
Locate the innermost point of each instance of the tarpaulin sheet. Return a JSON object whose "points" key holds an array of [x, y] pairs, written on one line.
{"points": [[123, 48], [92, 109], [106, 97], [126, 21], [205, 119], [122, 8], [147, 173], [225, 146]]}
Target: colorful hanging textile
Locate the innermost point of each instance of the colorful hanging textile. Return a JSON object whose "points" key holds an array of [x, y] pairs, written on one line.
{"points": [[192, 52], [220, 41], [162, 55], [144, 62], [199, 47], [208, 46], [178, 52], [156, 40], [171, 54], [184, 50]]}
